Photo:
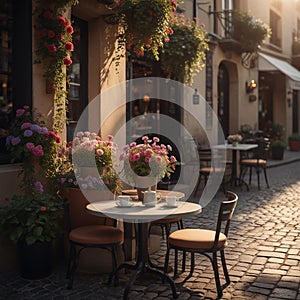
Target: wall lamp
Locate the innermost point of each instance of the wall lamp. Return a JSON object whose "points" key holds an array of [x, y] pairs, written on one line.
{"points": [[250, 86], [289, 98]]}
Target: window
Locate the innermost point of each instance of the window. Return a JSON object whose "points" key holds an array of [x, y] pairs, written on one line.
{"points": [[78, 75], [15, 64], [275, 24]]}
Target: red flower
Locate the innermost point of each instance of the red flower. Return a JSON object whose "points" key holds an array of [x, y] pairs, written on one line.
{"points": [[69, 46], [59, 36], [61, 20], [42, 33], [51, 48], [51, 34], [67, 23], [67, 61], [48, 14], [43, 208], [69, 29]]}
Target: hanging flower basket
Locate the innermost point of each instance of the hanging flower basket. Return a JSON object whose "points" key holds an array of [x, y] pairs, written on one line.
{"points": [[145, 23], [183, 54]]}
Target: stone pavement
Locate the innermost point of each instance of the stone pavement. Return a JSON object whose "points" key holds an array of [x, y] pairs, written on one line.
{"points": [[263, 255]]}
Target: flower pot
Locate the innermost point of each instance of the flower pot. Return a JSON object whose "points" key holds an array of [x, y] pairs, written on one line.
{"points": [[277, 153], [294, 145], [36, 260]]}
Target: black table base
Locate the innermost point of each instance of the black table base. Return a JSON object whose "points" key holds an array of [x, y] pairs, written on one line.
{"points": [[142, 263]]}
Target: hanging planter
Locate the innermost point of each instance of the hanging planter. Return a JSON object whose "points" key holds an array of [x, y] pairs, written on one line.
{"points": [[248, 31], [145, 25], [183, 54]]}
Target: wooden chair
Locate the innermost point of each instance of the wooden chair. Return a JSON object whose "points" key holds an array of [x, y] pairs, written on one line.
{"points": [[256, 158], [206, 167], [87, 231], [206, 242]]}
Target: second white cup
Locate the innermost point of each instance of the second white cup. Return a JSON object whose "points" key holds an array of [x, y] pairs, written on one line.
{"points": [[172, 201]]}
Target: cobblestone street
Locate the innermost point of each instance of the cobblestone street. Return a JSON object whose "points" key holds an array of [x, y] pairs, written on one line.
{"points": [[263, 255]]}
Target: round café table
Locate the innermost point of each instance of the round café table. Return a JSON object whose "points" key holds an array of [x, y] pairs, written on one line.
{"points": [[142, 215]]}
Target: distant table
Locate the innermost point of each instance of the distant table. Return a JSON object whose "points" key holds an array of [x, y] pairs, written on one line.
{"points": [[142, 215], [239, 147]]}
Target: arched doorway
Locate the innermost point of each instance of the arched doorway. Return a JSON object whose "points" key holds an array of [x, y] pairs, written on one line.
{"points": [[223, 98]]}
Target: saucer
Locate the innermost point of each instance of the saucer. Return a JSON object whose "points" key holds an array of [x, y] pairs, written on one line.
{"points": [[171, 206], [123, 206]]}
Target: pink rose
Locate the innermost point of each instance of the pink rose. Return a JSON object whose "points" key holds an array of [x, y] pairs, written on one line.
{"points": [[51, 48], [29, 146], [69, 29], [67, 61], [15, 141], [173, 159], [158, 159], [61, 20], [25, 125], [99, 152], [20, 112], [69, 46]]}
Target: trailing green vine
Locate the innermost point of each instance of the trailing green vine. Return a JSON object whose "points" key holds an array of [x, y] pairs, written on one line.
{"points": [[54, 46]]}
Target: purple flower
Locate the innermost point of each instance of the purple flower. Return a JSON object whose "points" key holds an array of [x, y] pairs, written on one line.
{"points": [[39, 187], [35, 128], [15, 141], [43, 130], [28, 133], [8, 139]]}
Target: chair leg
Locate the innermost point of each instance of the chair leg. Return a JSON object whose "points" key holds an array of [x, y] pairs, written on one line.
{"points": [[216, 272], [258, 177], [266, 177], [225, 270], [192, 264], [74, 264], [167, 261], [183, 260], [176, 263], [197, 185], [113, 263], [250, 175]]}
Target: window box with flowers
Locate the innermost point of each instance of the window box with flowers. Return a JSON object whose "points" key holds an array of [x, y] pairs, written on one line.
{"points": [[183, 53], [33, 218], [145, 164]]}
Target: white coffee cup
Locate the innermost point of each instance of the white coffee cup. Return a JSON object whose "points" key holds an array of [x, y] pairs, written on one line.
{"points": [[171, 201], [124, 200]]}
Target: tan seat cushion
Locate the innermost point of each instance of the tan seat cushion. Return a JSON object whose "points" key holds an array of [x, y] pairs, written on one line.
{"points": [[253, 162], [196, 239], [96, 234]]}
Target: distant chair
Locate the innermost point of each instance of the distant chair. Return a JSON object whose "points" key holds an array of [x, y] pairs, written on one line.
{"points": [[206, 167], [206, 242], [256, 158]]}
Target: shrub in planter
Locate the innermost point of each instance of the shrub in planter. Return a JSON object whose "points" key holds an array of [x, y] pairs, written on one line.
{"points": [[277, 149], [294, 142]]}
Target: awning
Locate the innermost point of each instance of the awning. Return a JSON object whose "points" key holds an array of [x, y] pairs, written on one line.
{"points": [[269, 63]]}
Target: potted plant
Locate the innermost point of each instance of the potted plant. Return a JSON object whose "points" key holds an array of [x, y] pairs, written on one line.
{"points": [[183, 52], [32, 218], [234, 139], [277, 149], [147, 163], [294, 142], [145, 24], [248, 31]]}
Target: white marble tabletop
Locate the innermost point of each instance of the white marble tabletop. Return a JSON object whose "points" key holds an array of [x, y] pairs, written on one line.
{"points": [[138, 212]]}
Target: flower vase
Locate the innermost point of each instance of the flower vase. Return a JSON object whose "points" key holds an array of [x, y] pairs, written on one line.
{"points": [[144, 183], [234, 144]]}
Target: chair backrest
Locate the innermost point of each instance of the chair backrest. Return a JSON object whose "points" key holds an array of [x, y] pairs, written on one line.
{"points": [[205, 156], [75, 211], [226, 211], [263, 148]]}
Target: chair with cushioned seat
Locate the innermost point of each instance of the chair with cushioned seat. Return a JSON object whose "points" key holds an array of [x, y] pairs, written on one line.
{"points": [[87, 231], [206, 242]]}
